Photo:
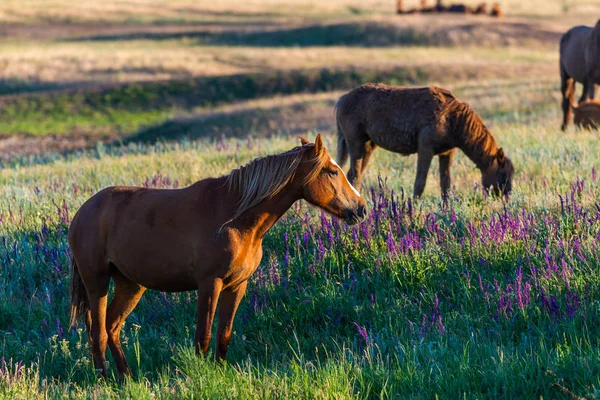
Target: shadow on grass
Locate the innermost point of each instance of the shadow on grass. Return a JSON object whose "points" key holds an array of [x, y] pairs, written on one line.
{"points": [[197, 92], [147, 108], [354, 34], [14, 86], [293, 119], [366, 34]]}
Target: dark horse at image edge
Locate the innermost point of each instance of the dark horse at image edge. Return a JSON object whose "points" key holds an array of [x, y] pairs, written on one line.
{"points": [[579, 62]]}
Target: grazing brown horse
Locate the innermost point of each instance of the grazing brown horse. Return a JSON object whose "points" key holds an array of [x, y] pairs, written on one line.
{"points": [[587, 114], [579, 62], [426, 121], [206, 237]]}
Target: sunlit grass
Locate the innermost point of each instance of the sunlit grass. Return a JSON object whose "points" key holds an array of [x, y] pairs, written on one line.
{"points": [[299, 339], [478, 298]]}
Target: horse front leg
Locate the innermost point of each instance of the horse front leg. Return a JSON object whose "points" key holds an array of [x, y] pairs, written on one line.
{"points": [[585, 95], [568, 92], [230, 300], [208, 296], [425, 155], [445, 165]]}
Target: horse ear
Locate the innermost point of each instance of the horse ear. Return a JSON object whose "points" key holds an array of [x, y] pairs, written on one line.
{"points": [[318, 144], [303, 140]]}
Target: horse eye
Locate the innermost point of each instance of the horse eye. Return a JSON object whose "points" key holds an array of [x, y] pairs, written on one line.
{"points": [[331, 172]]}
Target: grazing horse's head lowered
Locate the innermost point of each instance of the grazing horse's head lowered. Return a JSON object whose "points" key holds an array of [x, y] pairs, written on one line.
{"points": [[498, 177], [329, 188]]}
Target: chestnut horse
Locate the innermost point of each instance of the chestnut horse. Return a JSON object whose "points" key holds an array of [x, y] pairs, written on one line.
{"points": [[579, 62], [426, 121], [206, 237]]}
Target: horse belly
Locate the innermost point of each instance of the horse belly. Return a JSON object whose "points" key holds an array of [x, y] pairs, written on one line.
{"points": [[163, 276], [402, 141], [156, 264]]}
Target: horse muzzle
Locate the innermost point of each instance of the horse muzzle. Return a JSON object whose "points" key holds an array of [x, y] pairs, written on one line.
{"points": [[353, 216]]}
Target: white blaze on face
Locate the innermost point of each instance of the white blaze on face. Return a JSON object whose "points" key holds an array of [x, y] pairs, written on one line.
{"points": [[344, 175]]}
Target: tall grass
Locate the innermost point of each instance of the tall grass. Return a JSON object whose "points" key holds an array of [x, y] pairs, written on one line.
{"points": [[478, 298]]}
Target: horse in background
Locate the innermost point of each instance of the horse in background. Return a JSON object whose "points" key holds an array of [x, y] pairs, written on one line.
{"points": [[206, 237], [587, 114], [458, 8], [579, 62], [428, 121]]}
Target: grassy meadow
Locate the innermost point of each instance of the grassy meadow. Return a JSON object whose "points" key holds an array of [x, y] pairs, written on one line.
{"points": [[477, 298]]}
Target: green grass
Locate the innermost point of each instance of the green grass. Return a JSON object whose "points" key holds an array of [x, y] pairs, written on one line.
{"points": [[133, 105], [295, 334], [477, 299], [125, 109]]}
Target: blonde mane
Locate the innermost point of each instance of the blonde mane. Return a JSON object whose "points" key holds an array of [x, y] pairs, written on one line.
{"points": [[264, 177], [478, 142]]}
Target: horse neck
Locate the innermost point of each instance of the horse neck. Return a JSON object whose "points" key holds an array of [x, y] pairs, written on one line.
{"points": [[481, 150], [259, 219]]}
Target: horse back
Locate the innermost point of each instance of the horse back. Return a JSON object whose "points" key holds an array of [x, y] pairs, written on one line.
{"points": [[392, 117], [140, 229]]}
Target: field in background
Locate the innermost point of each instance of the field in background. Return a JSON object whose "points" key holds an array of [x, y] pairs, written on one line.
{"points": [[76, 74], [476, 299]]}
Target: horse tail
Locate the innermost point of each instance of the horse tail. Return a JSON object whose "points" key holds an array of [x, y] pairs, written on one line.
{"points": [[342, 146], [80, 304]]}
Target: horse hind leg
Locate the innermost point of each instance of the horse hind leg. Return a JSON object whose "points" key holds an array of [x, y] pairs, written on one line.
{"points": [[97, 287], [369, 149], [355, 171], [359, 157], [126, 297]]}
